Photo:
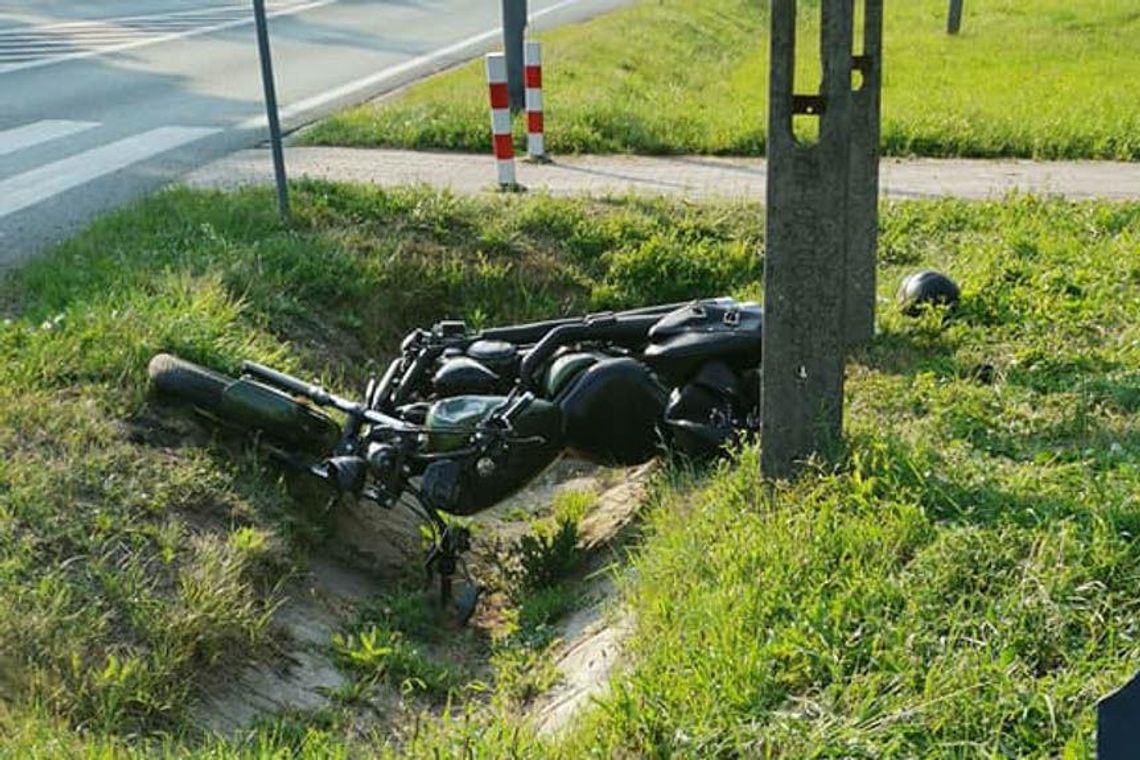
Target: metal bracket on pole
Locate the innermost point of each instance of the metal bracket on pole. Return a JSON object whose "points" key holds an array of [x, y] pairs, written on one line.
{"points": [[514, 26], [271, 107], [805, 267]]}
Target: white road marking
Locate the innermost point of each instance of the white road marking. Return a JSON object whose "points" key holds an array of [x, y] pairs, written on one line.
{"points": [[365, 83], [217, 10], [154, 40], [19, 138], [37, 185]]}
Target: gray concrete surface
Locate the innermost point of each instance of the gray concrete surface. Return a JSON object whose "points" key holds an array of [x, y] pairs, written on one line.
{"points": [[103, 101], [807, 273], [862, 200], [692, 176]]}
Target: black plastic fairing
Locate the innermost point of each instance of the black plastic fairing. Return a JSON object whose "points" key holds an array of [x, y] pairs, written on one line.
{"points": [[613, 410], [714, 330]]}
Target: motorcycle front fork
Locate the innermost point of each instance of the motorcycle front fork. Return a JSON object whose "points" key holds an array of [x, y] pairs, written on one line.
{"points": [[445, 561]]}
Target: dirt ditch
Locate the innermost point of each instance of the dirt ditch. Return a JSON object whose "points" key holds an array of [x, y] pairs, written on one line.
{"points": [[374, 548]]}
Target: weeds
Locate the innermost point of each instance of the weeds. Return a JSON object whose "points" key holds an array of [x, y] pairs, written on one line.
{"points": [[375, 653], [395, 639], [543, 557], [572, 505]]}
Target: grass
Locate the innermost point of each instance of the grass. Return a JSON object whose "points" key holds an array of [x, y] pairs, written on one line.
{"points": [[376, 653], [139, 557], [960, 582], [1045, 79]]}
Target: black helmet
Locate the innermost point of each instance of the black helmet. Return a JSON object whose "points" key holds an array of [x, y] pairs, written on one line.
{"points": [[926, 287]]}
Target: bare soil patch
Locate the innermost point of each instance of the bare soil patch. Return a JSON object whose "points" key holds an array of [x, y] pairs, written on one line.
{"points": [[376, 549]]}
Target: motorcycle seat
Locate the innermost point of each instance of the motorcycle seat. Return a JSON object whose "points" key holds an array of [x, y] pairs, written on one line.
{"points": [[721, 329]]}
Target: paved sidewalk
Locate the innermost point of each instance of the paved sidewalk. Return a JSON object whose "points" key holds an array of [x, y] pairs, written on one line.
{"points": [[692, 176]]}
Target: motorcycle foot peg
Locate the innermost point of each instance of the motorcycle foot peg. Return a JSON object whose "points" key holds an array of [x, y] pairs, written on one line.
{"points": [[466, 600]]}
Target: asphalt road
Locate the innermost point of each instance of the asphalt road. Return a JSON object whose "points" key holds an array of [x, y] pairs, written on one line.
{"points": [[102, 101]]}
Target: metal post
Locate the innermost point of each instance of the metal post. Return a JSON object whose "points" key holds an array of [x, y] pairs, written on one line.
{"points": [[954, 19], [514, 24], [271, 107], [535, 131], [806, 261], [863, 196], [502, 140]]}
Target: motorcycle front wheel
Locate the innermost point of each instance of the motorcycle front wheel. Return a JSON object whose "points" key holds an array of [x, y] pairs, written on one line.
{"points": [[188, 382], [245, 404]]}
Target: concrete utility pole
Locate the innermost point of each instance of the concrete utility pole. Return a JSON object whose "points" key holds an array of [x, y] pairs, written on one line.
{"points": [[812, 192], [954, 19], [863, 196], [514, 25]]}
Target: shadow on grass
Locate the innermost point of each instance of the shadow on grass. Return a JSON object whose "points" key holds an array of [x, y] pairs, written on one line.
{"points": [[925, 349], [1002, 491], [1095, 380]]}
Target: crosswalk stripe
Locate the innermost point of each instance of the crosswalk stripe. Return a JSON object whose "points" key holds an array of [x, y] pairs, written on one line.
{"points": [[117, 35], [239, 8], [28, 135], [32, 187], [99, 30]]}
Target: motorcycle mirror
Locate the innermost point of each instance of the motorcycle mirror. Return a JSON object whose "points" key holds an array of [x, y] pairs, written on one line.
{"points": [[450, 328]]}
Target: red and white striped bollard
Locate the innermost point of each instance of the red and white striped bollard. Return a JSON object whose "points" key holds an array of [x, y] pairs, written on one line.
{"points": [[501, 120], [532, 60]]}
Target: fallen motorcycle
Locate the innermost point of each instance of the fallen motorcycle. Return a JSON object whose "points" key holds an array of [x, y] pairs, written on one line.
{"points": [[462, 418]]}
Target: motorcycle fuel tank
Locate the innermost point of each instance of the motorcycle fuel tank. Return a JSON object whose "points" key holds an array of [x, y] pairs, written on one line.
{"points": [[537, 440], [451, 420]]}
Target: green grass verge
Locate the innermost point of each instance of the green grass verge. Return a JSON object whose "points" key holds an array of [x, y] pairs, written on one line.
{"points": [[1047, 79], [960, 582], [137, 559]]}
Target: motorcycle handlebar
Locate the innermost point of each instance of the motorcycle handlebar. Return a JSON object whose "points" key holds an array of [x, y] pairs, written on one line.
{"points": [[322, 397], [287, 382]]}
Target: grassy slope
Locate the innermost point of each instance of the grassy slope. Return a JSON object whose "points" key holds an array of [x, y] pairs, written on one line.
{"points": [[136, 559], [961, 582], [1031, 78]]}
